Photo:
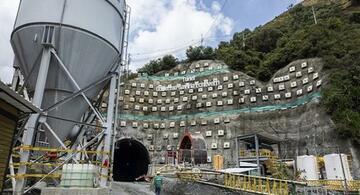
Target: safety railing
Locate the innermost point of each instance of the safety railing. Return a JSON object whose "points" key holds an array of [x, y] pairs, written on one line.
{"points": [[252, 153], [40, 166], [255, 184], [47, 149], [246, 183], [338, 185]]}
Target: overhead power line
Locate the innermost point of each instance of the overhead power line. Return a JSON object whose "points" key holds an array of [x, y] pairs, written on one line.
{"points": [[215, 20], [166, 49], [161, 52]]}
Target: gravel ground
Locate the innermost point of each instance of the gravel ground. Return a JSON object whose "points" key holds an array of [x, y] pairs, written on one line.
{"points": [[171, 186], [175, 187], [131, 188]]}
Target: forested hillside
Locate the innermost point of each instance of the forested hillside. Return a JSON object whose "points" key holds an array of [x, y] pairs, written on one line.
{"points": [[294, 35]]}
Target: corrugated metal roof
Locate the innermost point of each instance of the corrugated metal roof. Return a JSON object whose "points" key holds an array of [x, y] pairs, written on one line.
{"points": [[14, 99]]}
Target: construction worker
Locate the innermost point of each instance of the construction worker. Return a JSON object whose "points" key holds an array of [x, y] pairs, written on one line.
{"points": [[158, 183]]}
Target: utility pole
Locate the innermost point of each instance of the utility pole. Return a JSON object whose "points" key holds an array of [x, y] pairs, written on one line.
{"points": [[127, 69], [313, 11], [244, 44]]}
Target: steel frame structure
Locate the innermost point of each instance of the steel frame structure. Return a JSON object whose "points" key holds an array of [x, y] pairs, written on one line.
{"points": [[39, 119], [104, 140]]}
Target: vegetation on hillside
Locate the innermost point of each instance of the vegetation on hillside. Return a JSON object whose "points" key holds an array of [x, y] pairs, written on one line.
{"points": [[294, 35], [165, 63], [200, 53]]}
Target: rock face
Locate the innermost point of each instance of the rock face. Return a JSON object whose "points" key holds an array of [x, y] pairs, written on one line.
{"points": [[207, 98]]}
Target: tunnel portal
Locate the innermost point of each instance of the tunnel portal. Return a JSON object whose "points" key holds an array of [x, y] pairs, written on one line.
{"points": [[193, 149], [131, 160]]}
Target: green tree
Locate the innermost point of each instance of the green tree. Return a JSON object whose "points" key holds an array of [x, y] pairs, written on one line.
{"points": [[294, 35], [154, 66], [200, 53]]}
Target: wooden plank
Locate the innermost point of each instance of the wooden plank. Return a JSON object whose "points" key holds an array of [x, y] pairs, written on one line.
{"points": [[9, 108], [6, 125], [7, 128], [5, 141], [6, 135]]}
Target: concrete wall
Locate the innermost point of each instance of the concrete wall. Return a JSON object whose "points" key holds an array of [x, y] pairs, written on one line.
{"points": [[298, 120]]}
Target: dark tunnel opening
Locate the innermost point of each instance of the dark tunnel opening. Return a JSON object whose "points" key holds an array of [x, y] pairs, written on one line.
{"points": [[185, 150], [131, 160], [186, 143]]}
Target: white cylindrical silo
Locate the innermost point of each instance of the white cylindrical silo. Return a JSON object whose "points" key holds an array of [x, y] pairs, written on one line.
{"points": [[308, 167], [87, 35], [67, 50]]}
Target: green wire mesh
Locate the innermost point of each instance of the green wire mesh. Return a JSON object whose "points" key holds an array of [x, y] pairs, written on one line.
{"points": [[299, 102]]}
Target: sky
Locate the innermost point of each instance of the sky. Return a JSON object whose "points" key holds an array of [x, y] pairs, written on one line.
{"points": [[160, 27]]}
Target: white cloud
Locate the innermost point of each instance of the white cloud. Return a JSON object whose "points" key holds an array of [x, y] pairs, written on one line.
{"points": [[169, 25], [216, 6], [155, 25], [8, 10]]}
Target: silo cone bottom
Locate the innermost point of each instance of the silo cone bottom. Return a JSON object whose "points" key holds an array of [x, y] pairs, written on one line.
{"points": [[77, 191]]}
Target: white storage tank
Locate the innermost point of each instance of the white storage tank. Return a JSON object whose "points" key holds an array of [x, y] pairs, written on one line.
{"points": [[79, 176], [333, 168], [308, 167]]}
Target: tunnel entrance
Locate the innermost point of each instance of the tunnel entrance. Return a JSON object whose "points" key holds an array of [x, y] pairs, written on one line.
{"points": [[185, 150], [131, 160], [192, 149]]}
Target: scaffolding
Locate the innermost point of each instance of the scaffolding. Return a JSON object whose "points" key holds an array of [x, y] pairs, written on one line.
{"points": [[257, 148]]}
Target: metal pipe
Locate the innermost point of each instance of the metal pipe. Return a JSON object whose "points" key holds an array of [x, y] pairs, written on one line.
{"points": [[257, 153], [237, 152], [31, 124], [72, 121]]}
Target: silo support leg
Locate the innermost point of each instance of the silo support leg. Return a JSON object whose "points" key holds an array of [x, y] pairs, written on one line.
{"points": [[31, 124], [108, 133]]}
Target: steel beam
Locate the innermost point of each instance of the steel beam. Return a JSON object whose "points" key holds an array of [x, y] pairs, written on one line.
{"points": [[63, 101], [62, 65], [257, 153], [48, 127], [109, 132], [30, 126]]}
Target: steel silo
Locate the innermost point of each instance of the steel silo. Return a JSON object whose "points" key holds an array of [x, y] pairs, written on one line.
{"points": [[86, 35]]}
